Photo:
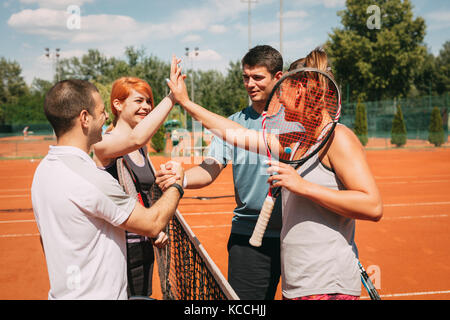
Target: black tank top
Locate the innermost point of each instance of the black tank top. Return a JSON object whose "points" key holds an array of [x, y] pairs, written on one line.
{"points": [[146, 179], [144, 174]]}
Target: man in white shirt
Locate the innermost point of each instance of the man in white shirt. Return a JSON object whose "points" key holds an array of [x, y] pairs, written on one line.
{"points": [[81, 211]]}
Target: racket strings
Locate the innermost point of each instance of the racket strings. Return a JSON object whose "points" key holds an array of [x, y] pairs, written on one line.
{"points": [[298, 114]]}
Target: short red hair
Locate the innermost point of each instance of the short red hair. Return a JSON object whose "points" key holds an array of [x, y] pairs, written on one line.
{"points": [[121, 90]]}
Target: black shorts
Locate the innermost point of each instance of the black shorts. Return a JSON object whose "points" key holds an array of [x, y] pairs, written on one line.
{"points": [[254, 273]]}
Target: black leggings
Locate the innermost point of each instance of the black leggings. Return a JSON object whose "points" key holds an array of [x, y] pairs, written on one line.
{"points": [[140, 260]]}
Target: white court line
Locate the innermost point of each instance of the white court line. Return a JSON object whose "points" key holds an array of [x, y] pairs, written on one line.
{"points": [[409, 294], [411, 204], [409, 177], [16, 196], [15, 190], [213, 226], [416, 217], [15, 177], [17, 221], [19, 235], [416, 181], [205, 213]]}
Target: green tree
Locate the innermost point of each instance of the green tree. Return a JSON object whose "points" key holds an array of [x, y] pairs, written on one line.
{"points": [[425, 77], [235, 96], [12, 86], [154, 71], [27, 109], [209, 90], [41, 86], [443, 69], [377, 63], [105, 92], [223, 94], [398, 131], [361, 129], [93, 66], [436, 130], [159, 139]]}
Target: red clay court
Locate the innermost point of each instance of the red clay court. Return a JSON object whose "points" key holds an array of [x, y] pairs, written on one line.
{"points": [[408, 249]]}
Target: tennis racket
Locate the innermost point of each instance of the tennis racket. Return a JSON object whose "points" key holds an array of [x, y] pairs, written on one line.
{"points": [[365, 279], [125, 179], [299, 118]]}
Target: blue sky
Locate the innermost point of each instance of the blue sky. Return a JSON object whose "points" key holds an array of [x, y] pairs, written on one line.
{"points": [[218, 28]]}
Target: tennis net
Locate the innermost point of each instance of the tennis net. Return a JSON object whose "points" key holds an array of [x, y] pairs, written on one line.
{"points": [[186, 271]]}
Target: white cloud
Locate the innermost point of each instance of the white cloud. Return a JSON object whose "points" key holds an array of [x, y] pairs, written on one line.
{"points": [[56, 4], [111, 33], [101, 28], [47, 22], [332, 3], [325, 3], [294, 14], [209, 55], [438, 20], [43, 67], [191, 38], [261, 31], [52, 24], [206, 60], [50, 21], [299, 48], [217, 29]]}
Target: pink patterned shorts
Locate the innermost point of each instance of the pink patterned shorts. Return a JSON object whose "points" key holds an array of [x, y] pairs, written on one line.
{"points": [[333, 296]]}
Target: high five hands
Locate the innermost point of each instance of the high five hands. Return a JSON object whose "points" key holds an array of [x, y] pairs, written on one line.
{"points": [[176, 82]]}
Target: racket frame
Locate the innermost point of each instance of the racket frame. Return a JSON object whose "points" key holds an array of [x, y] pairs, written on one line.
{"points": [[297, 163], [333, 124], [367, 283], [266, 210]]}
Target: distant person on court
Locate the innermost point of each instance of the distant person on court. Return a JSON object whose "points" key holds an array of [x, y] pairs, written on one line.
{"points": [[81, 211], [321, 201], [136, 119], [253, 273], [26, 132]]}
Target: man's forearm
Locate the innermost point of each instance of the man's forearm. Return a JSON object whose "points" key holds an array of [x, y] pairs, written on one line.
{"points": [[165, 207], [202, 175]]}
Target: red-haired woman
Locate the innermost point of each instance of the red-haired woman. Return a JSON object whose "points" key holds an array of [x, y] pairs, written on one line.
{"points": [[136, 120]]}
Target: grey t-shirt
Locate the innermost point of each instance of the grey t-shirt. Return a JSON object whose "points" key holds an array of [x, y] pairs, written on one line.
{"points": [[318, 251]]}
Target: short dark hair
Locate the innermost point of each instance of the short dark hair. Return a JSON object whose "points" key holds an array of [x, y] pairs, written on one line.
{"points": [[65, 101], [264, 56]]}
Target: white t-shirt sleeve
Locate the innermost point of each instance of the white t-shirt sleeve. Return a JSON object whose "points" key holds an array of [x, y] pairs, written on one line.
{"points": [[104, 198]]}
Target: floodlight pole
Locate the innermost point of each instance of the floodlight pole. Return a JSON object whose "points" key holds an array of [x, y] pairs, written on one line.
{"points": [[55, 60], [191, 59], [249, 21], [281, 27]]}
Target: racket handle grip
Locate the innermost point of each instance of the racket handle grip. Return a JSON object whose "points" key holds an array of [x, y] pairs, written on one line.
{"points": [[263, 220]]}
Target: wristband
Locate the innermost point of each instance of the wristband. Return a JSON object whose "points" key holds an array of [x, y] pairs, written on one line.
{"points": [[179, 188], [184, 182]]}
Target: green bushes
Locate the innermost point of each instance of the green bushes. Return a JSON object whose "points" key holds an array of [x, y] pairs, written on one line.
{"points": [[436, 130], [398, 131], [159, 139], [361, 129]]}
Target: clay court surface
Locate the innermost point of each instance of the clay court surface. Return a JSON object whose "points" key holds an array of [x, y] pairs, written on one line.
{"points": [[407, 251]]}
